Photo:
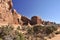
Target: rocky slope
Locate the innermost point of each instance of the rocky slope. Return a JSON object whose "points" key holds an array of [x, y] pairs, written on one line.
{"points": [[5, 13], [8, 15]]}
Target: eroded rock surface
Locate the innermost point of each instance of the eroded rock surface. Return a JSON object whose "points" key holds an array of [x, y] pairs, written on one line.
{"points": [[36, 20], [5, 13], [8, 15]]}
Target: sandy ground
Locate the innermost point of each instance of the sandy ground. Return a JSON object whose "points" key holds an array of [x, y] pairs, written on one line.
{"points": [[57, 37]]}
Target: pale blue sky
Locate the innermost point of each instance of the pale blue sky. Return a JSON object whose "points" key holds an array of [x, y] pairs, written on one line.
{"points": [[46, 9]]}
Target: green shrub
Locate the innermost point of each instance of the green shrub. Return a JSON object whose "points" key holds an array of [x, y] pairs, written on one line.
{"points": [[50, 29], [19, 36], [6, 30], [38, 29], [8, 33], [30, 31], [18, 28]]}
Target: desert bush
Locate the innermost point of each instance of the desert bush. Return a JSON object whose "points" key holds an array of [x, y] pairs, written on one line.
{"points": [[41, 31], [30, 31], [18, 28], [19, 36], [8, 33], [50, 29], [38, 29], [7, 37], [6, 30]]}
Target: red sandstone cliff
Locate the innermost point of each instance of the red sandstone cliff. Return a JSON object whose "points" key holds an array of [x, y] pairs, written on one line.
{"points": [[8, 15]]}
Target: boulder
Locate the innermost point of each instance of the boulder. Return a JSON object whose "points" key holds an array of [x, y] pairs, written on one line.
{"points": [[36, 20]]}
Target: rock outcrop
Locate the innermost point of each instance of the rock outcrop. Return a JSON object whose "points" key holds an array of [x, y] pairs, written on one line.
{"points": [[16, 17], [25, 20], [5, 13], [8, 15], [36, 20]]}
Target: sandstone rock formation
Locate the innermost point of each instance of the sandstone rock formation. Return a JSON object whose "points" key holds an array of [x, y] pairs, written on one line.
{"points": [[16, 17], [36, 20], [8, 15], [5, 13], [25, 20]]}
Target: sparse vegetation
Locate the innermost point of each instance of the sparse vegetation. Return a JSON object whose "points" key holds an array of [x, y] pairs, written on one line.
{"points": [[50, 29], [42, 31], [8, 33], [38, 29], [18, 28], [38, 32], [30, 31]]}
